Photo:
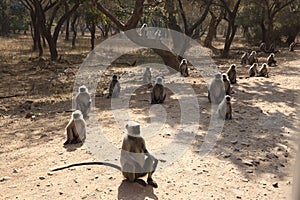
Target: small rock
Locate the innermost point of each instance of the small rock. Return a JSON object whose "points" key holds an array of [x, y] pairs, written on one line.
{"points": [[96, 176], [195, 183], [245, 144], [242, 130], [271, 155], [61, 193], [15, 170], [50, 173], [42, 177], [248, 162], [12, 186], [5, 178], [75, 180], [245, 180], [238, 197], [48, 184], [249, 171], [234, 142], [60, 153], [275, 184]]}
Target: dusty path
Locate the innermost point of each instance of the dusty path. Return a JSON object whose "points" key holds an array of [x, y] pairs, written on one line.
{"points": [[254, 152]]}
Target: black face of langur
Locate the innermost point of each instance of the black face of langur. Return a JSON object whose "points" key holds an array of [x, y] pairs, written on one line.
{"points": [[216, 90], [271, 60], [226, 84], [263, 71], [158, 94], [183, 67], [231, 73], [253, 70], [114, 87], [244, 58], [83, 101]]}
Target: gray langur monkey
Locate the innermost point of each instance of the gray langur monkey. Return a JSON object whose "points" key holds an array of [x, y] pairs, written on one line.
{"points": [[253, 70], [225, 109], [263, 47], [76, 129], [252, 58], [183, 67], [143, 31], [83, 101], [231, 73], [244, 58], [271, 60], [216, 90], [227, 85], [263, 71], [158, 94], [292, 46], [147, 76], [136, 161], [114, 87]]}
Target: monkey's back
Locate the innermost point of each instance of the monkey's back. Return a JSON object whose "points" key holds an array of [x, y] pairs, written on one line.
{"points": [[133, 147], [158, 91]]}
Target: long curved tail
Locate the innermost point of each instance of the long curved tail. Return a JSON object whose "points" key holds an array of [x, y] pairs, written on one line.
{"points": [[87, 163]]}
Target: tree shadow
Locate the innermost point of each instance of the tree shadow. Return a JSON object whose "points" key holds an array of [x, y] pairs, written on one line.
{"points": [[129, 191]]}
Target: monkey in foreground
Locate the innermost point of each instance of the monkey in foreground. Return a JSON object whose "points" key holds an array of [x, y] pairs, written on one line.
{"points": [[143, 31], [253, 70], [224, 108], [158, 94], [231, 73], [216, 90], [252, 58], [183, 68], [292, 46], [263, 71], [244, 58], [83, 101], [114, 87], [136, 160], [271, 60], [226, 84], [76, 129], [147, 76]]}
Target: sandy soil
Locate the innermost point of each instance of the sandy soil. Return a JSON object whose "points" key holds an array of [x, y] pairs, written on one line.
{"points": [[252, 159]]}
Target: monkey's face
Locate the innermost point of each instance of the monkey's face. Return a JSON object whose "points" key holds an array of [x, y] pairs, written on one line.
{"points": [[218, 76], [76, 115], [232, 67], [159, 80], [227, 97], [114, 77], [82, 89]]}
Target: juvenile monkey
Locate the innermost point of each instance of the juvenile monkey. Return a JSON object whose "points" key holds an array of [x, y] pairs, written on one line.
{"points": [[226, 84], [244, 58], [253, 70], [231, 73], [143, 30], [183, 67], [292, 46], [216, 90], [76, 129], [147, 76], [224, 108], [136, 160], [271, 60], [263, 71], [83, 101], [252, 58], [158, 94], [114, 87]]}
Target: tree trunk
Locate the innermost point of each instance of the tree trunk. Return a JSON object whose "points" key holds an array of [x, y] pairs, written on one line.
{"points": [[211, 31], [92, 29], [67, 23], [231, 30], [74, 29]]}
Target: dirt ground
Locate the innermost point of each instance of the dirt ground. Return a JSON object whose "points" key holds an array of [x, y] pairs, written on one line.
{"points": [[254, 157]]}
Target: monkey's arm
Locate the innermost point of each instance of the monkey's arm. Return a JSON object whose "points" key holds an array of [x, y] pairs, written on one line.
{"points": [[87, 163]]}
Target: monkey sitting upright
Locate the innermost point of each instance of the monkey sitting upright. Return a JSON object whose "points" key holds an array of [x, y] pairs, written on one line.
{"points": [[271, 60], [252, 58], [253, 70], [76, 129], [263, 71], [216, 90], [147, 76], [83, 101], [114, 87], [224, 108], [183, 68], [231, 73], [143, 31], [136, 160], [158, 94], [244, 58], [292, 46]]}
